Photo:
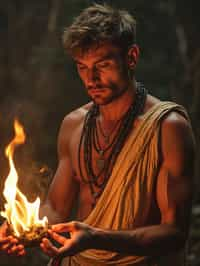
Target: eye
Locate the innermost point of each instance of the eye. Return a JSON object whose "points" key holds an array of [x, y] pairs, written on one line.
{"points": [[103, 64], [81, 67]]}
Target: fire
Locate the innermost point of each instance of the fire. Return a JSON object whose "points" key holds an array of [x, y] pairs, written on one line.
{"points": [[21, 215]]}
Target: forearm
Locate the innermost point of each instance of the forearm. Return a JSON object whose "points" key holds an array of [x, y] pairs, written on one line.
{"points": [[146, 241]]}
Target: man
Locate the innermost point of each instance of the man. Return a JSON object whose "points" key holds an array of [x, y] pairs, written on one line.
{"points": [[126, 155]]}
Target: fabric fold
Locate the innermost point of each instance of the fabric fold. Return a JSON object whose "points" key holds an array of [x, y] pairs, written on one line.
{"points": [[126, 200]]}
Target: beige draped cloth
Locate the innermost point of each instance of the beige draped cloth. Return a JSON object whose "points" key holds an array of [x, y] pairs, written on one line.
{"points": [[126, 199]]}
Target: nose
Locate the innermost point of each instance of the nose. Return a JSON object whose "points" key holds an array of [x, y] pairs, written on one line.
{"points": [[92, 76]]}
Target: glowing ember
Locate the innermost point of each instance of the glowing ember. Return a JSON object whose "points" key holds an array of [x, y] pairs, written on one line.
{"points": [[22, 216]]}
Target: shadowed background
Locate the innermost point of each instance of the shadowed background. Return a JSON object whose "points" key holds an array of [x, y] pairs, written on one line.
{"points": [[40, 85]]}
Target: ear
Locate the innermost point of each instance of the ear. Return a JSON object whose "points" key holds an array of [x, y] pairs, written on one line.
{"points": [[133, 55]]}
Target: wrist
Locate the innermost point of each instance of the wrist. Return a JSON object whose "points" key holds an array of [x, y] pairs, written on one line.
{"points": [[97, 237]]}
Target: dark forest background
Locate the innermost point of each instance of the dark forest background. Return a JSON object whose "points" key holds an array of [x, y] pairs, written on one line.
{"points": [[39, 84]]}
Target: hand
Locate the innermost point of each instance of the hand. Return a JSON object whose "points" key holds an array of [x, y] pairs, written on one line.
{"points": [[81, 239], [9, 244]]}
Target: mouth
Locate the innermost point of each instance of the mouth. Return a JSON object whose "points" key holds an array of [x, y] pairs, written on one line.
{"points": [[96, 92], [98, 89]]}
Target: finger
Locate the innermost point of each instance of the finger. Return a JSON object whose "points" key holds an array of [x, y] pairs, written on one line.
{"points": [[63, 227], [5, 240], [7, 245], [51, 253], [49, 247], [45, 250], [14, 250], [21, 253], [4, 228], [69, 249], [14, 240], [60, 239]]}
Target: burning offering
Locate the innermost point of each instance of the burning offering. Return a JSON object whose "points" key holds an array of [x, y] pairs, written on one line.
{"points": [[22, 216]]}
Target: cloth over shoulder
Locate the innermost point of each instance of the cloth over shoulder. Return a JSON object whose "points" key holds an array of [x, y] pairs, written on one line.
{"points": [[126, 199]]}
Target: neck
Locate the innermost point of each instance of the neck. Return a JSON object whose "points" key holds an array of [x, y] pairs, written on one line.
{"points": [[119, 106]]}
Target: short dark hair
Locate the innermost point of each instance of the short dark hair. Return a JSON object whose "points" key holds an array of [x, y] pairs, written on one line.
{"points": [[97, 24]]}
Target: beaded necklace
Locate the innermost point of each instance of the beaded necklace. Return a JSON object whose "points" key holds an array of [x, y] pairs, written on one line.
{"points": [[100, 162], [89, 141], [107, 137]]}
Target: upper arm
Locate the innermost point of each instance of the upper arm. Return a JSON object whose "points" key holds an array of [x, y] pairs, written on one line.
{"points": [[175, 179], [64, 187]]}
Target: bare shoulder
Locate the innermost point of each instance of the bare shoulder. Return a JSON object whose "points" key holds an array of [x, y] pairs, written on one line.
{"points": [[70, 124], [150, 102], [178, 144], [175, 123], [177, 138], [75, 117]]}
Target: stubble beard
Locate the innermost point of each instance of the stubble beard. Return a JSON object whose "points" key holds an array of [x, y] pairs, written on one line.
{"points": [[116, 93]]}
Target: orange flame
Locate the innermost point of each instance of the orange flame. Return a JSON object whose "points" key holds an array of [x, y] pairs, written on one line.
{"points": [[20, 214]]}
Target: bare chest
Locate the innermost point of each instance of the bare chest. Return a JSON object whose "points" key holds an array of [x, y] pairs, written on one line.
{"points": [[92, 164], [92, 161]]}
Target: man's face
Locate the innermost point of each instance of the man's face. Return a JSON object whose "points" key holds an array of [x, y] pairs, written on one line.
{"points": [[104, 73]]}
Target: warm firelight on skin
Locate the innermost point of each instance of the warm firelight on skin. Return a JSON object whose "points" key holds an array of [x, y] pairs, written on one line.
{"points": [[21, 215]]}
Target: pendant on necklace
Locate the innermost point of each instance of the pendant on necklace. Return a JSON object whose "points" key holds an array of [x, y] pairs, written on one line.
{"points": [[100, 162], [107, 139], [95, 195]]}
